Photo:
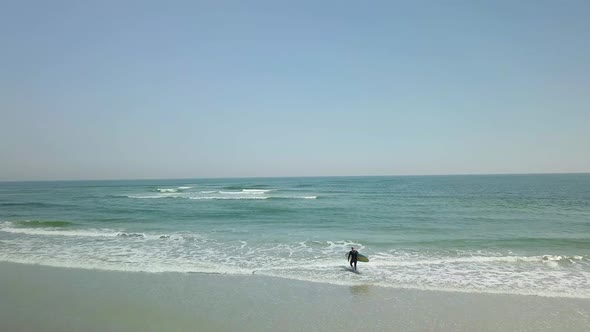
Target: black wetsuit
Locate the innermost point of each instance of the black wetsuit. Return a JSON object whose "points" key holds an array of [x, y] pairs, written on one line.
{"points": [[353, 257]]}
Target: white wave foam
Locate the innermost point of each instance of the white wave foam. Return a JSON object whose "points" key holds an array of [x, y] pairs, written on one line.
{"points": [[167, 190], [425, 287], [227, 198], [294, 197], [184, 188], [387, 260], [214, 195], [476, 272], [131, 235], [562, 258], [82, 233], [247, 192], [111, 266], [303, 272], [256, 191], [77, 233], [239, 193]]}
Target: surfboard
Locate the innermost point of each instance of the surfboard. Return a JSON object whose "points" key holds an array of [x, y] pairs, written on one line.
{"points": [[360, 257]]}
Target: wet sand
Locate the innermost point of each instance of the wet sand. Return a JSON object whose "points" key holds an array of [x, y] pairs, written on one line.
{"points": [[39, 298]]}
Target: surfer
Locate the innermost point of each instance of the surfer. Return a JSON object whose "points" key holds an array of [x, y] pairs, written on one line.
{"points": [[353, 257]]}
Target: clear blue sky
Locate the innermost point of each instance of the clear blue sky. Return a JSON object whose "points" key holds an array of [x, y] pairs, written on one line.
{"points": [[180, 89]]}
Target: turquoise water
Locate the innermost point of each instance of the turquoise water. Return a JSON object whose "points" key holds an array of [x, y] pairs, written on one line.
{"points": [[523, 234]]}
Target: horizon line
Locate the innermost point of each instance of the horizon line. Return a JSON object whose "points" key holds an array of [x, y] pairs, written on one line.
{"points": [[294, 177]]}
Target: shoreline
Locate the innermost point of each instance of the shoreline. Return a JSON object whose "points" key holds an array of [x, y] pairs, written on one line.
{"points": [[254, 273], [44, 298]]}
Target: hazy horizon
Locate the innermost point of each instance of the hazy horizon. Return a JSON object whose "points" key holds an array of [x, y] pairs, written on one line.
{"points": [[294, 177], [188, 90]]}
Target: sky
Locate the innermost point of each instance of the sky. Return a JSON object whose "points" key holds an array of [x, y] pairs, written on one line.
{"points": [[193, 89]]}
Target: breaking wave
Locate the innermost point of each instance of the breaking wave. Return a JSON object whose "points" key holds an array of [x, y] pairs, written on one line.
{"points": [[229, 197], [167, 190], [476, 272], [13, 227]]}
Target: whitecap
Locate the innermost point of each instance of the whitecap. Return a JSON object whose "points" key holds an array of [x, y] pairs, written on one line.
{"points": [[134, 235], [256, 191], [167, 190], [227, 198], [79, 233]]}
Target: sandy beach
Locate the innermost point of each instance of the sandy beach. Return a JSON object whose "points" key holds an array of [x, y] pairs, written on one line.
{"points": [[39, 298]]}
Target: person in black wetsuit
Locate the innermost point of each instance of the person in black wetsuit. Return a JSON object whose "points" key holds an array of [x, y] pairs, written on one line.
{"points": [[352, 257]]}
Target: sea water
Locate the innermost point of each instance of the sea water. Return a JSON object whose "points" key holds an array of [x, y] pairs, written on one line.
{"points": [[520, 234]]}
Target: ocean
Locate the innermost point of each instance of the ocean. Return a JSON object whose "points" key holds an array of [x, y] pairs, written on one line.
{"points": [[514, 234]]}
